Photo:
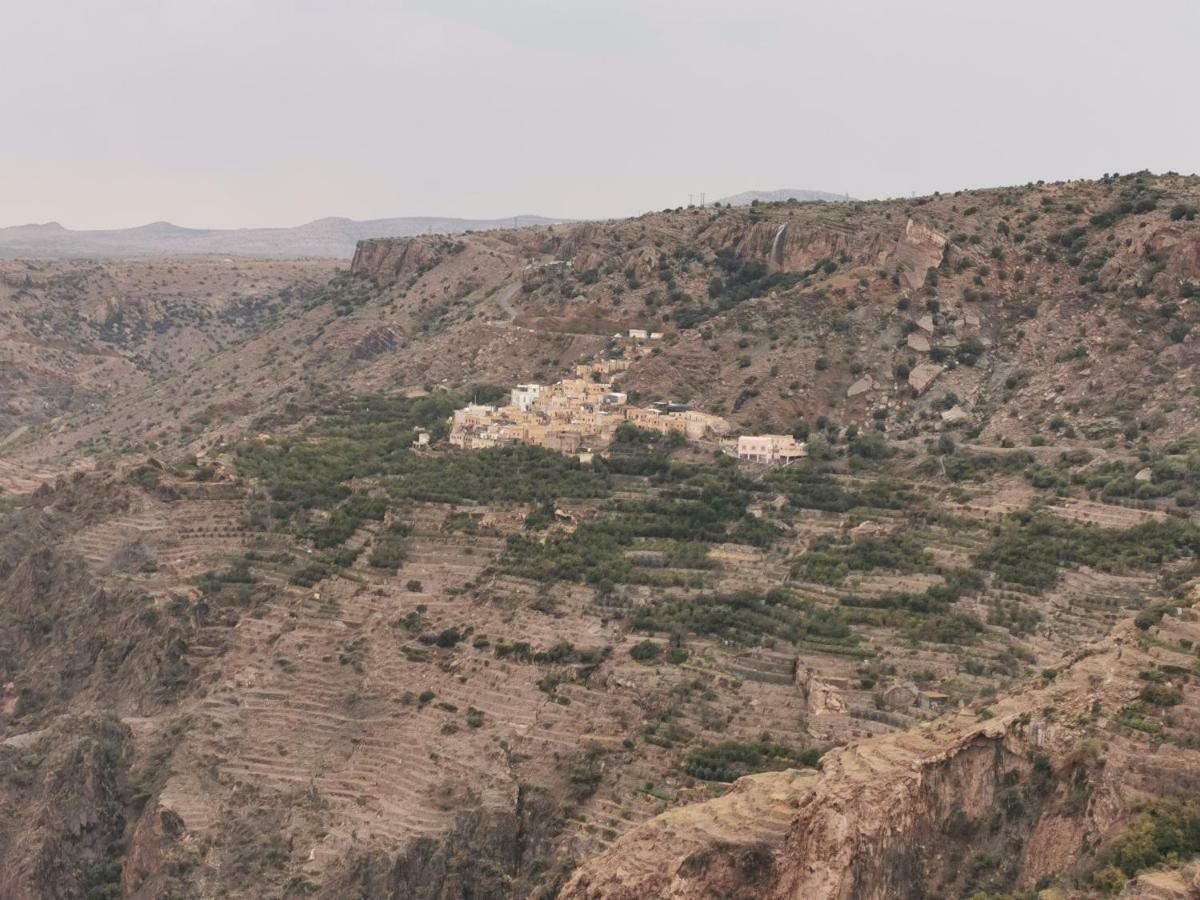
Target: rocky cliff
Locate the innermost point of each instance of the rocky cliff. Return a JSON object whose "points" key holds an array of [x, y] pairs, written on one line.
{"points": [[1024, 793], [387, 260], [66, 797]]}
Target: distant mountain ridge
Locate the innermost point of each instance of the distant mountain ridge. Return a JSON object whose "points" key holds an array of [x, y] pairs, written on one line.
{"points": [[782, 194], [330, 237]]}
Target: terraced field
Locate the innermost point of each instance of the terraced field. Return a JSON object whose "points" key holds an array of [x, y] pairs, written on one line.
{"points": [[385, 652], [371, 704]]}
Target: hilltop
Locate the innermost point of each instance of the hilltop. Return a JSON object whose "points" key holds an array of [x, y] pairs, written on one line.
{"points": [[256, 639], [780, 195]]}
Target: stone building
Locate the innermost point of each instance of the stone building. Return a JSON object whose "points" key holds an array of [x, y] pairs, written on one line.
{"points": [[770, 448]]}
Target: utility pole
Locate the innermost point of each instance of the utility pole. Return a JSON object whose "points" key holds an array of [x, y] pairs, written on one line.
{"points": [[690, 196], [702, 199]]}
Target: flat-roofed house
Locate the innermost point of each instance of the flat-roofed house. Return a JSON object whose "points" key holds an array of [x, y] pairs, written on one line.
{"points": [[770, 448], [525, 396]]}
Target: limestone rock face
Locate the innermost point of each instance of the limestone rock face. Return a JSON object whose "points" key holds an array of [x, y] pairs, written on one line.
{"points": [[883, 816], [787, 245], [851, 827], [824, 698], [1180, 884], [919, 250], [587, 261], [387, 260], [1177, 245], [643, 261], [797, 248]]}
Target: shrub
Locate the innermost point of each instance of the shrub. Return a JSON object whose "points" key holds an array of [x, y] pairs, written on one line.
{"points": [[645, 651], [1162, 694], [388, 552], [1165, 833], [871, 445]]}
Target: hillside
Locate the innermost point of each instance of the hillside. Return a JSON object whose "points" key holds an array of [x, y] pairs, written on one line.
{"points": [[1010, 305], [255, 643]]}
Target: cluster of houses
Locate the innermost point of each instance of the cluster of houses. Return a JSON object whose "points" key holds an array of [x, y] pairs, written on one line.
{"points": [[580, 416], [577, 415]]}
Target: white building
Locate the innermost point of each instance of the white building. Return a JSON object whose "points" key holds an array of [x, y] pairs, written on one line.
{"points": [[524, 396], [638, 334], [770, 448]]}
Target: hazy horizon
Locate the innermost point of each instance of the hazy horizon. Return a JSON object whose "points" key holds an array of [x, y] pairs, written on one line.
{"points": [[273, 114]]}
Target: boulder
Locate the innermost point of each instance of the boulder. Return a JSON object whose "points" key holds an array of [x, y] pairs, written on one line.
{"points": [[918, 342], [923, 375], [861, 386]]}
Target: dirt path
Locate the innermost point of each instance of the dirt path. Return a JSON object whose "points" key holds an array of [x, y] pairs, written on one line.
{"points": [[504, 298]]}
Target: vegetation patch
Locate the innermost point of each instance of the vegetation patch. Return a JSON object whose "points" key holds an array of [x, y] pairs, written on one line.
{"points": [[696, 508], [743, 617], [827, 562], [809, 489], [730, 760], [1033, 548], [1165, 834]]}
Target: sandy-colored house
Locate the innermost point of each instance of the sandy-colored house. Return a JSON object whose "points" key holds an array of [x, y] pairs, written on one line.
{"points": [[770, 448]]}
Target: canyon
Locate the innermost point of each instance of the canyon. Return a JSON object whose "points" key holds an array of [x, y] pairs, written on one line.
{"points": [[259, 638]]}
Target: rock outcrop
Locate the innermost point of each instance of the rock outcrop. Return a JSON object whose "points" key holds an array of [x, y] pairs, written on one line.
{"points": [[65, 795], [917, 251], [1024, 788], [388, 260]]}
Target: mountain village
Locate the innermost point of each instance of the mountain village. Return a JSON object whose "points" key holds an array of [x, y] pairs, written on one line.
{"points": [[580, 416]]}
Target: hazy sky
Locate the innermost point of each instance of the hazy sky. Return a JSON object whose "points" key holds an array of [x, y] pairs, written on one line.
{"points": [[274, 112]]}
